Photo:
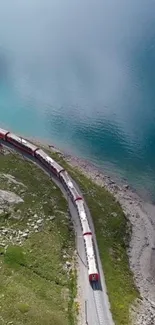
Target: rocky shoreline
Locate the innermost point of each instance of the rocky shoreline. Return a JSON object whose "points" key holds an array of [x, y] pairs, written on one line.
{"points": [[141, 251]]}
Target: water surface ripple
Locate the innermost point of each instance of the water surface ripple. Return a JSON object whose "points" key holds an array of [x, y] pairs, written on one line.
{"points": [[82, 74]]}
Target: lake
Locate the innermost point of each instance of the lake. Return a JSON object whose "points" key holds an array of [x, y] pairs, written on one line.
{"points": [[82, 74]]}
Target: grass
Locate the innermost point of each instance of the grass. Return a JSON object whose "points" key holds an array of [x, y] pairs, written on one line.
{"points": [[112, 234], [35, 288], [37, 279]]}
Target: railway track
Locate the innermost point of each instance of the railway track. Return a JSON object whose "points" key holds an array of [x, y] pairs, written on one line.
{"points": [[98, 309]]}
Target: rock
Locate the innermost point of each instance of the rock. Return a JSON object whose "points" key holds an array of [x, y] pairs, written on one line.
{"points": [[114, 214], [39, 221], [68, 264], [35, 216], [111, 182], [51, 218], [10, 197], [2, 244], [5, 231], [126, 186], [35, 227], [25, 235]]}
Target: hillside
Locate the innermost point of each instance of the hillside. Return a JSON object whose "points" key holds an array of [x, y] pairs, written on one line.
{"points": [[37, 267], [37, 243]]}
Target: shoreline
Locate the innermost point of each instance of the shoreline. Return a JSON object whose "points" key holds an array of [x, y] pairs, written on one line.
{"points": [[140, 215]]}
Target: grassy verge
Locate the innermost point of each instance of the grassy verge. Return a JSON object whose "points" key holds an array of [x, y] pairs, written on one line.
{"points": [[112, 237], [36, 286]]}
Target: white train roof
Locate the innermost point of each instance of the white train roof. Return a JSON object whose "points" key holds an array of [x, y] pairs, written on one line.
{"points": [[80, 206], [89, 245], [50, 160], [16, 138], [22, 141], [82, 213], [41, 153], [54, 163], [92, 268], [67, 179], [75, 193], [70, 184], [90, 255], [85, 227]]}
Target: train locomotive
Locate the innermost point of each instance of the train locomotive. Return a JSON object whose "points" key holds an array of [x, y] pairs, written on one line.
{"points": [[26, 147]]}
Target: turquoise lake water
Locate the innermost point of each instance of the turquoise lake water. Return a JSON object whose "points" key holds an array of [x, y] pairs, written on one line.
{"points": [[82, 74]]}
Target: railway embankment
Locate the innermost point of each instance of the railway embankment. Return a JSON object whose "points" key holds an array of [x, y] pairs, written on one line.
{"points": [[37, 247]]}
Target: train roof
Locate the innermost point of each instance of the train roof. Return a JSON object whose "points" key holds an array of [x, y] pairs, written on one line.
{"points": [[92, 267], [75, 193], [89, 246], [15, 137], [22, 141], [67, 179], [44, 155], [54, 163], [41, 153], [50, 160], [83, 215], [85, 227], [80, 206]]}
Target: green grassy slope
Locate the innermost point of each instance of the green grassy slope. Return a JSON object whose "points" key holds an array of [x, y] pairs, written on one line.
{"points": [[36, 287]]}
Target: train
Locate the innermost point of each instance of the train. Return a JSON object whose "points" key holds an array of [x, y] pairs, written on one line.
{"points": [[58, 171]]}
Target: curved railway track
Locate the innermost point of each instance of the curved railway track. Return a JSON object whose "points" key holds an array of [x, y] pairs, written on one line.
{"points": [[94, 296]]}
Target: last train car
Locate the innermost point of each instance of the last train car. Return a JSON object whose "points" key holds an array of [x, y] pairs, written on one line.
{"points": [[91, 260]]}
